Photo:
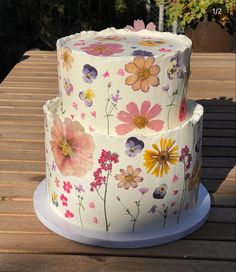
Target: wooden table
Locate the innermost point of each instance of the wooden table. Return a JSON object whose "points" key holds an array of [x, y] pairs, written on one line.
{"points": [[26, 245]]}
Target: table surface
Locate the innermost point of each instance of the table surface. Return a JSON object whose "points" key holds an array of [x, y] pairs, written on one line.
{"points": [[27, 245]]}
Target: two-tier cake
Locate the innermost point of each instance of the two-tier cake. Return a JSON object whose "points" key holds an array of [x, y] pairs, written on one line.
{"points": [[123, 144]]}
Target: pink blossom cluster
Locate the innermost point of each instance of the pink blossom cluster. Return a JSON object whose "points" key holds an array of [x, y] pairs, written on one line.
{"points": [[67, 186], [186, 157], [64, 199], [106, 161]]}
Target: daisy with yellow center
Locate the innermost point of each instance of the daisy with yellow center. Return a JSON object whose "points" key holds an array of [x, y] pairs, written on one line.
{"points": [[144, 73], [66, 58], [158, 160]]}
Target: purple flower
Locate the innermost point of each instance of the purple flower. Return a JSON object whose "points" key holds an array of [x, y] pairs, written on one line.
{"points": [[134, 146], [142, 53], [68, 86], [160, 191], [153, 209], [53, 166], [165, 88], [79, 188], [176, 67], [143, 190], [186, 157], [90, 73], [115, 97]]}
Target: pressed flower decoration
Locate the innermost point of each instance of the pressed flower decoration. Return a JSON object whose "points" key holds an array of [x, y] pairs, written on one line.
{"points": [[134, 214], [182, 110], [68, 86], [176, 68], [101, 179], [129, 178], [111, 105], [160, 191], [151, 43], [195, 177], [87, 97], [110, 38], [72, 147], [134, 146], [144, 73], [186, 159], [158, 160], [89, 73], [134, 118], [103, 49], [66, 58], [54, 199], [139, 25], [142, 53]]}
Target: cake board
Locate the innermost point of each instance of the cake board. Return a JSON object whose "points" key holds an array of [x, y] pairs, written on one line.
{"points": [[120, 240]]}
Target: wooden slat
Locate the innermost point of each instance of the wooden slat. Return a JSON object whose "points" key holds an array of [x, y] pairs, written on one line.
{"points": [[75, 263], [184, 249]]}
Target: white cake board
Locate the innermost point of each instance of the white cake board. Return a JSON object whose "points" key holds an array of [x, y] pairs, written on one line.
{"points": [[120, 240]]}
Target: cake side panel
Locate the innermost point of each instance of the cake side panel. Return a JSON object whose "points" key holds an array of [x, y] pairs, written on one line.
{"points": [[106, 93], [128, 186]]}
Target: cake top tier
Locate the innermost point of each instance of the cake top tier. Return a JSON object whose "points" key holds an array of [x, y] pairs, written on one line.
{"points": [[122, 43]]}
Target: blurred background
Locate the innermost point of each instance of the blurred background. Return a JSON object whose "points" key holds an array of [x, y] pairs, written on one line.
{"points": [[37, 24]]}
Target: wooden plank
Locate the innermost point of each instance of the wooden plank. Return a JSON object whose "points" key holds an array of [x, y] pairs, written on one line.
{"points": [[24, 223], [75, 263], [185, 249]]}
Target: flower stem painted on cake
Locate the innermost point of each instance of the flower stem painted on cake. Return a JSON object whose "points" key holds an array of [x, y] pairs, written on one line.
{"points": [[101, 179], [164, 212], [80, 190], [158, 160], [144, 73], [112, 100], [134, 118], [170, 105], [134, 215], [186, 159], [63, 111]]}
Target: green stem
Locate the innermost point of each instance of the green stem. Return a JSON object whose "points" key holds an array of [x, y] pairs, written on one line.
{"points": [[105, 200], [182, 197], [80, 216]]}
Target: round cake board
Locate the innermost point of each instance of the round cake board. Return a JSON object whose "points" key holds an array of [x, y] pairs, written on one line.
{"points": [[120, 240]]}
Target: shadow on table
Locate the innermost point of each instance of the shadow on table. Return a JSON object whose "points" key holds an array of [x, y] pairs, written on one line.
{"points": [[219, 141]]}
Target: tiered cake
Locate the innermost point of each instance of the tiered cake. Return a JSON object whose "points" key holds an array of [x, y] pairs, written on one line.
{"points": [[123, 144]]}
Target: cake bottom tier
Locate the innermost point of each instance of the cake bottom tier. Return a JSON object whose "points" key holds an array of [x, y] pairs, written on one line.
{"points": [[122, 184]]}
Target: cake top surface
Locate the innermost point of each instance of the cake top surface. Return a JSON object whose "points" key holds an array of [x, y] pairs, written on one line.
{"points": [[122, 42]]}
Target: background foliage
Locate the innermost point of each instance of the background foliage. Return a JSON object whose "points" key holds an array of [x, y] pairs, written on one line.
{"points": [[26, 24]]}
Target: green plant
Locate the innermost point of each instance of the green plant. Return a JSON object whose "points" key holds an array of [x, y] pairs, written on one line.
{"points": [[191, 12]]}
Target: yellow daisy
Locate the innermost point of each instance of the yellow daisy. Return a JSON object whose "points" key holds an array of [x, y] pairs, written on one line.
{"points": [[158, 160], [151, 42]]}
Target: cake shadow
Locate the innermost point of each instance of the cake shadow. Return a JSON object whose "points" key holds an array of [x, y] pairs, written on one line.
{"points": [[218, 149]]}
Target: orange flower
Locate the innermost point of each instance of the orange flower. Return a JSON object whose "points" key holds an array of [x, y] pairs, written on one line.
{"points": [[66, 58], [144, 73]]}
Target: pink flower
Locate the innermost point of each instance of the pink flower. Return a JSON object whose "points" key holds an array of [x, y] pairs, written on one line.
{"points": [[182, 110], [64, 200], [91, 205], [67, 186], [143, 190], [139, 25], [103, 49], [175, 178], [57, 181], [95, 220], [72, 147], [173, 203], [135, 118], [175, 192], [69, 214], [164, 50], [129, 178]]}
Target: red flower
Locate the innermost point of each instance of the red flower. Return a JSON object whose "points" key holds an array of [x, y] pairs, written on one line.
{"points": [[64, 200], [182, 110], [69, 214], [67, 186]]}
